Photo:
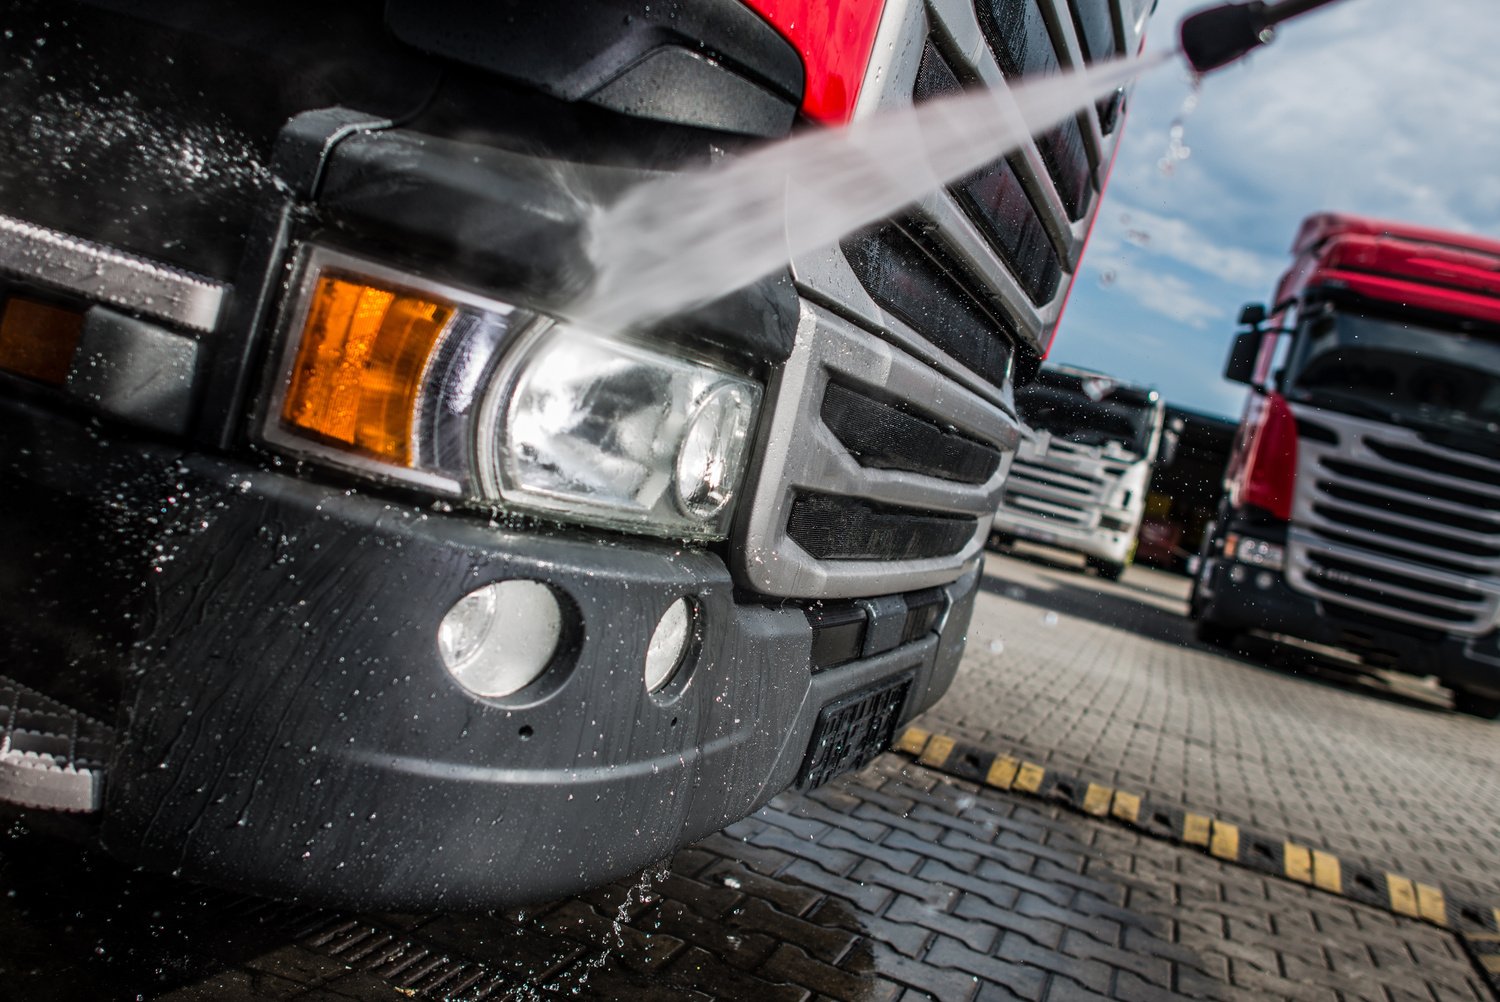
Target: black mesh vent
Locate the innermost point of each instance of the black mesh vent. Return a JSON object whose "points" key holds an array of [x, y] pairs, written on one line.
{"points": [[997, 202], [882, 437], [842, 528], [914, 285], [1023, 47]]}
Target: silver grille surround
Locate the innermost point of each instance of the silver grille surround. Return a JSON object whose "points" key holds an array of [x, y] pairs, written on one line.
{"points": [[1316, 534], [799, 452]]}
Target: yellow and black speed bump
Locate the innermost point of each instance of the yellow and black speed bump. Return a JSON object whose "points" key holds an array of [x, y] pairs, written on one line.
{"points": [[1477, 924]]}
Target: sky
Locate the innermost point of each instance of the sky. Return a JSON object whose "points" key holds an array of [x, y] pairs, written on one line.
{"points": [[1385, 108]]}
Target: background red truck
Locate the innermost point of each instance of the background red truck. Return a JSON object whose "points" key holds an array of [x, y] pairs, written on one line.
{"points": [[1363, 501]]}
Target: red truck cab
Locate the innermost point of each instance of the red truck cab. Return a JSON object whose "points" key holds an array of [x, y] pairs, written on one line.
{"points": [[1362, 508]]}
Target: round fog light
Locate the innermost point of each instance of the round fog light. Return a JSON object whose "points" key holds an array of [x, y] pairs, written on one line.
{"points": [[498, 639], [669, 644]]}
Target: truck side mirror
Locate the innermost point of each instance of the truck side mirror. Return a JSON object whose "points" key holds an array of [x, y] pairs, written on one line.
{"points": [[1252, 315], [1240, 366]]}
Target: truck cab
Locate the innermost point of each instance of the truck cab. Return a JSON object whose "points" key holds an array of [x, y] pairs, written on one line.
{"points": [[1362, 508], [339, 565], [1080, 477]]}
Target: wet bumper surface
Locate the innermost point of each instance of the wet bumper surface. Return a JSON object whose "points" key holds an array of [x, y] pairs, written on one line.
{"points": [[901, 881]]}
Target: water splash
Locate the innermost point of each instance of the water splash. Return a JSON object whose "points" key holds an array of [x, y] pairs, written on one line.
{"points": [[1177, 150], [682, 241]]}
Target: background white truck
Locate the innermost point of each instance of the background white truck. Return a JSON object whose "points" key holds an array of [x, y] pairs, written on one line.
{"points": [[1079, 479]]}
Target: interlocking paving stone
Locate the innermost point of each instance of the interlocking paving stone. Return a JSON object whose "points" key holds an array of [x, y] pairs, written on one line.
{"points": [[1056, 906]]}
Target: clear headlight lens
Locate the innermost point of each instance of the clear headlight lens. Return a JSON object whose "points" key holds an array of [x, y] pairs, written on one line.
{"points": [[405, 380], [616, 433]]}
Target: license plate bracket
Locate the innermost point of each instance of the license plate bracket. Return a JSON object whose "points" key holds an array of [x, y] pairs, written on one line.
{"points": [[851, 731]]}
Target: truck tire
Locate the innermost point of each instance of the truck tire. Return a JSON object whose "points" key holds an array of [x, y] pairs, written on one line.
{"points": [[1107, 570], [1216, 634], [1476, 705]]}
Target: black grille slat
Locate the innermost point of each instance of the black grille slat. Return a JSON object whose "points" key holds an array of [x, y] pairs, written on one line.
{"points": [[1022, 44], [1028, 478], [1396, 506], [1433, 463], [1394, 481], [883, 437], [830, 527], [1326, 562], [1396, 530], [1376, 595], [1095, 24], [994, 198], [1374, 546], [909, 282]]}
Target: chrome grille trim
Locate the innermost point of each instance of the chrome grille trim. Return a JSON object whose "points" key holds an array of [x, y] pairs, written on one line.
{"points": [[1321, 528], [799, 452], [95, 271]]}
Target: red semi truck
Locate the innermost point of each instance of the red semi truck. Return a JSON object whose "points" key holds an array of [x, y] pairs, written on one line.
{"points": [[1363, 500]]}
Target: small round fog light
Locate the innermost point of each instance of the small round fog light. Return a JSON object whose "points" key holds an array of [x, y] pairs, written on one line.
{"points": [[669, 643], [498, 639], [713, 446]]}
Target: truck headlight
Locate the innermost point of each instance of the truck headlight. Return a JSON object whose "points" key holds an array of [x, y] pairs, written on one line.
{"points": [[410, 381], [1257, 552], [612, 432]]}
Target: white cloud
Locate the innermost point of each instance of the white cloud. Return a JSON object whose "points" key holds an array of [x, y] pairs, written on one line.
{"points": [[1176, 239], [1157, 290]]}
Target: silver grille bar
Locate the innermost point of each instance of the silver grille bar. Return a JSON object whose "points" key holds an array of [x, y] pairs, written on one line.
{"points": [[95, 271]]}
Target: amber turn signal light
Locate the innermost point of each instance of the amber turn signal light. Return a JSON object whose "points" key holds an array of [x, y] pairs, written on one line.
{"points": [[358, 372], [37, 340]]}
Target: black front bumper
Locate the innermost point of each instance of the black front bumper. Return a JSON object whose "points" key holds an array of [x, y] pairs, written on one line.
{"points": [[286, 724], [1262, 601]]}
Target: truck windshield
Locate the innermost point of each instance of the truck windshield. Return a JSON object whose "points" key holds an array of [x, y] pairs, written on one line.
{"points": [[1395, 370], [1089, 412]]}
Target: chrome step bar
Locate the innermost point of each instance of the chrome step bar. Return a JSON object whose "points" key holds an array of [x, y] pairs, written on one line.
{"points": [[101, 273], [51, 756]]}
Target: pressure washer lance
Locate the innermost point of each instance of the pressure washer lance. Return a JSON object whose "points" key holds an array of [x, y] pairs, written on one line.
{"points": [[1217, 36]]}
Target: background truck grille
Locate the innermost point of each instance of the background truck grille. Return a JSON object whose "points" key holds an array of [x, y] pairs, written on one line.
{"points": [[1388, 523], [1066, 484]]}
